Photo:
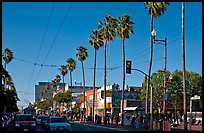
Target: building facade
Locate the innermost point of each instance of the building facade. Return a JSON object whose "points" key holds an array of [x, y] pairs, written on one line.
{"points": [[89, 102], [41, 87]]}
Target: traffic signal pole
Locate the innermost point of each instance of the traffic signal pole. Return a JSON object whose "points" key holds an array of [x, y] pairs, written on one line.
{"points": [[128, 71]]}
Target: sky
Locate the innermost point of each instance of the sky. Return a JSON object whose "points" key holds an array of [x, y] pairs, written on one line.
{"points": [[47, 33]]}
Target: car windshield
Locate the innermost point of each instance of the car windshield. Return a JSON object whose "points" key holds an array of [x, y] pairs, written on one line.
{"points": [[40, 117], [24, 118], [45, 118], [57, 120]]}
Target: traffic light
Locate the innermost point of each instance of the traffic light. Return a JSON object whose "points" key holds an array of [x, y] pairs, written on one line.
{"points": [[102, 94], [128, 67]]}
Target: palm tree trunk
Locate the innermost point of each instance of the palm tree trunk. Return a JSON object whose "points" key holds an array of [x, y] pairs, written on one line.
{"points": [[184, 71], [71, 93], [105, 82], [5, 77], [150, 62], [83, 86], [123, 79], [94, 83], [63, 83]]}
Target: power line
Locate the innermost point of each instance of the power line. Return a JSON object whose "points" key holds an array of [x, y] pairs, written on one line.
{"points": [[48, 65], [43, 38], [146, 51], [54, 39]]}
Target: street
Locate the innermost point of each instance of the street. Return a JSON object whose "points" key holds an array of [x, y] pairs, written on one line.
{"points": [[77, 126]]}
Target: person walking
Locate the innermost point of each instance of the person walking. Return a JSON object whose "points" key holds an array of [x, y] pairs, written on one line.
{"points": [[96, 117], [117, 120], [108, 119]]}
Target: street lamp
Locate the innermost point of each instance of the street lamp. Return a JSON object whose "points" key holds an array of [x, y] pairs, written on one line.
{"points": [[153, 33]]}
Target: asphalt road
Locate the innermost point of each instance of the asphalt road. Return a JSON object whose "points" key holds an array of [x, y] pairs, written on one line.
{"points": [[89, 127], [76, 126]]}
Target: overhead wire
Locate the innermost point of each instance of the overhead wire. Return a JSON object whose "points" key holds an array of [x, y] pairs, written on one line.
{"points": [[42, 41], [146, 50], [68, 10], [142, 53]]}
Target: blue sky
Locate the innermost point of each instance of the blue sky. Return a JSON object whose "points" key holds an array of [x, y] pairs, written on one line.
{"points": [[24, 25]]}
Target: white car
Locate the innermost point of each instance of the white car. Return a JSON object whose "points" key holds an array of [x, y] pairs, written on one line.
{"points": [[57, 123]]}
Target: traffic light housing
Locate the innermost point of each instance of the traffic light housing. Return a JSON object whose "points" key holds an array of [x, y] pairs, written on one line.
{"points": [[128, 67], [102, 94]]}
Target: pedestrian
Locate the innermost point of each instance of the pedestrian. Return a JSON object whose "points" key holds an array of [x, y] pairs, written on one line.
{"points": [[96, 117], [179, 119], [111, 119], [108, 119], [117, 120]]}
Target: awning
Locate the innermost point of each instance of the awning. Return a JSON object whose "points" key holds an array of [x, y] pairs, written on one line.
{"points": [[133, 108], [130, 108]]}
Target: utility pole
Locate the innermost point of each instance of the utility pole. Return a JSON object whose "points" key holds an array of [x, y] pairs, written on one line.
{"points": [[164, 102], [165, 96]]}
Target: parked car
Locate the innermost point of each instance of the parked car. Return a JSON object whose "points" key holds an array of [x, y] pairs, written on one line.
{"points": [[25, 122], [39, 119], [4, 123], [7, 120], [44, 121], [57, 123]]}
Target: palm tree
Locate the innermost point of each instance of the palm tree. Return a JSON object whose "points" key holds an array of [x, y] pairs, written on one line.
{"points": [[42, 94], [96, 41], [9, 81], [71, 66], [58, 79], [155, 10], [184, 70], [53, 84], [82, 55], [124, 28], [63, 70], [7, 57], [47, 87], [108, 32]]}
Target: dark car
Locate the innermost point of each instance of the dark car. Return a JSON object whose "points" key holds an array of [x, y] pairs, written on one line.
{"points": [[43, 121], [25, 122]]}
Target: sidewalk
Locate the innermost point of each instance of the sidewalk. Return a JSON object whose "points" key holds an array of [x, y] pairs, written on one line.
{"points": [[193, 128], [179, 128]]}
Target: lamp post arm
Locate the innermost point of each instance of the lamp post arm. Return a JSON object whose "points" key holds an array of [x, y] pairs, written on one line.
{"points": [[140, 71]]}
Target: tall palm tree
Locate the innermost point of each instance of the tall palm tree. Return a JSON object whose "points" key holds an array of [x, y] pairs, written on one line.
{"points": [[155, 10], [7, 57], [71, 65], [108, 32], [63, 70], [124, 28], [82, 55], [184, 70], [96, 41]]}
